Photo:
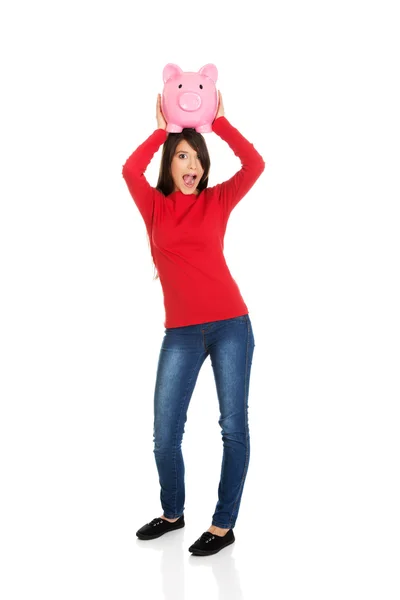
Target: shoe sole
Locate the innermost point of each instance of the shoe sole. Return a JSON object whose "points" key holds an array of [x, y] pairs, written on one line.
{"points": [[142, 536], [207, 552]]}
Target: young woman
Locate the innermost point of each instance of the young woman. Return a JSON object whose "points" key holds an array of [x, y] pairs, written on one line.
{"points": [[205, 314]]}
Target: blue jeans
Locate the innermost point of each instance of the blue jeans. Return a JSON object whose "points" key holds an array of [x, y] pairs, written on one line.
{"points": [[230, 344]]}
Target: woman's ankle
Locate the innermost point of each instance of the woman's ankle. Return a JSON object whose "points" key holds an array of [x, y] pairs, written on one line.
{"points": [[170, 520]]}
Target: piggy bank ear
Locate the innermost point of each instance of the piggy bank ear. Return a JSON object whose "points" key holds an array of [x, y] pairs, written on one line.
{"points": [[170, 70], [210, 70]]}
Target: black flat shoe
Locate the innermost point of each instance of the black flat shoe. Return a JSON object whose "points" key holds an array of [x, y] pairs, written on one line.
{"points": [[158, 527], [209, 543]]}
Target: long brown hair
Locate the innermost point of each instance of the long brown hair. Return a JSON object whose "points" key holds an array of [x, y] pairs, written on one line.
{"points": [[165, 183]]}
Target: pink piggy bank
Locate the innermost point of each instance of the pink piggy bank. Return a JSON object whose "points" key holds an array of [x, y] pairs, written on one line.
{"points": [[189, 99]]}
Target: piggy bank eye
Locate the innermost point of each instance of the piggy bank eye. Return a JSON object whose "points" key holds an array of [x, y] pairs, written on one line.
{"points": [[180, 85], [200, 86]]}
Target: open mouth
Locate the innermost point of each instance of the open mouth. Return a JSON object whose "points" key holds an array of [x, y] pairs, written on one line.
{"points": [[189, 180]]}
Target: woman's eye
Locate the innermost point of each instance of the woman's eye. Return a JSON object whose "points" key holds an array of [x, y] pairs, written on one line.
{"points": [[184, 154]]}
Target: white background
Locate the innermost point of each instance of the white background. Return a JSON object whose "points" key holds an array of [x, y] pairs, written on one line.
{"points": [[314, 248]]}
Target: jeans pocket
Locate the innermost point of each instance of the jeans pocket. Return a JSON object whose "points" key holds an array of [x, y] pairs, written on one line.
{"points": [[242, 318]]}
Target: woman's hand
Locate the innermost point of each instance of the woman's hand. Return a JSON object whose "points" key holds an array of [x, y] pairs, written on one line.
{"points": [[161, 122], [220, 111]]}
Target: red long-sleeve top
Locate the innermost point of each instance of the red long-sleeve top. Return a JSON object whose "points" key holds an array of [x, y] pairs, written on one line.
{"points": [[187, 232]]}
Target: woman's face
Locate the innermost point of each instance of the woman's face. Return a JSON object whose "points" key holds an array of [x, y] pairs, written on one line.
{"points": [[186, 162]]}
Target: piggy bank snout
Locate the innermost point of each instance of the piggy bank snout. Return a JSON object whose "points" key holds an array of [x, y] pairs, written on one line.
{"points": [[189, 101]]}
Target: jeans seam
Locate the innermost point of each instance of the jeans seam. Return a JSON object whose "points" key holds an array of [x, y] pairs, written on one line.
{"points": [[245, 428], [204, 340]]}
